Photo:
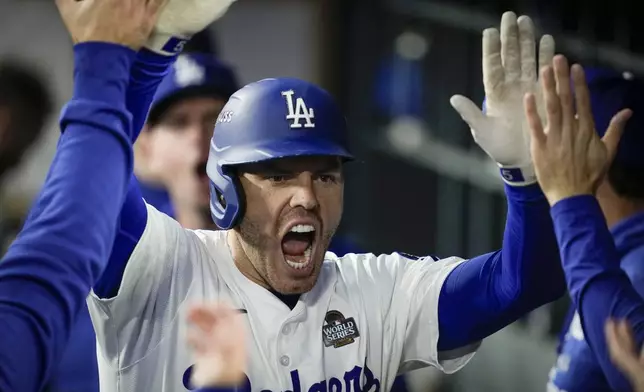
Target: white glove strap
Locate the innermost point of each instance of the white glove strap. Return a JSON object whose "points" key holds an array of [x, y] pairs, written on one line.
{"points": [[518, 175], [165, 44]]}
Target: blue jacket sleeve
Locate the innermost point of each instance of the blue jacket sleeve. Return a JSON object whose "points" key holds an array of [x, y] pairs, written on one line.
{"points": [[148, 71], [488, 292], [49, 269], [598, 286]]}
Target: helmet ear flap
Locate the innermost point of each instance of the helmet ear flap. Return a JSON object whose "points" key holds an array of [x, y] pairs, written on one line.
{"points": [[228, 204], [241, 200]]}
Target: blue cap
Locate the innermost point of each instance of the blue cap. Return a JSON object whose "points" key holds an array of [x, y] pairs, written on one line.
{"points": [[193, 75], [610, 92]]}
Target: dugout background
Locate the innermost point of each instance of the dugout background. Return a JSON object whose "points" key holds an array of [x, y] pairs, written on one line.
{"points": [[420, 185]]}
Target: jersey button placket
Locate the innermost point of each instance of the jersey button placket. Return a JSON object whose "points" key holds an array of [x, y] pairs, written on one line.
{"points": [[284, 359]]}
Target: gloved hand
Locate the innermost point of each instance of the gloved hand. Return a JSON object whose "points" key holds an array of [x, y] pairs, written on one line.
{"points": [[180, 20], [509, 72]]}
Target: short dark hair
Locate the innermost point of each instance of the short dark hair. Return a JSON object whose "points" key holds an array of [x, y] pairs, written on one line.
{"points": [[626, 180], [28, 100]]}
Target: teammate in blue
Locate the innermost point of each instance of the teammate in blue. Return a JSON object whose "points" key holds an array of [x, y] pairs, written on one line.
{"points": [[50, 267], [572, 164], [621, 198]]}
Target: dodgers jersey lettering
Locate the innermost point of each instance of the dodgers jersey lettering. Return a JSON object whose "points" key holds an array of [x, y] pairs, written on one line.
{"points": [[367, 318]]}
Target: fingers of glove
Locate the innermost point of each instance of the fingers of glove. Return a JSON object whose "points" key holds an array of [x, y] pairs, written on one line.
{"points": [[493, 73], [614, 132], [546, 50], [562, 78], [469, 111], [537, 136], [510, 52], [528, 48], [553, 107]]}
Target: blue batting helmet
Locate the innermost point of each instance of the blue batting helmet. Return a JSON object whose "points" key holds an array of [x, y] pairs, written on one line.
{"points": [[193, 75], [270, 119], [610, 92]]}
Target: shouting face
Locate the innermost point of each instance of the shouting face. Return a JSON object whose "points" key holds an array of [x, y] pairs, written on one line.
{"points": [[293, 208]]}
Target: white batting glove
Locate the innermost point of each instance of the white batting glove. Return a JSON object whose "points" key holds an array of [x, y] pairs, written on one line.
{"points": [[509, 72], [180, 20]]}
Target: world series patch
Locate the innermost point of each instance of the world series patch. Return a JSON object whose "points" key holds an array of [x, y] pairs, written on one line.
{"points": [[338, 331]]}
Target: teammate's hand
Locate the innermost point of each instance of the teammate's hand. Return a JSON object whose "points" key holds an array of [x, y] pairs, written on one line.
{"points": [[218, 339], [180, 20], [509, 72], [124, 22], [623, 352], [569, 157]]}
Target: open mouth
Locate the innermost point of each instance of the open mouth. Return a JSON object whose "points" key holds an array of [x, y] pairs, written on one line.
{"points": [[297, 246]]}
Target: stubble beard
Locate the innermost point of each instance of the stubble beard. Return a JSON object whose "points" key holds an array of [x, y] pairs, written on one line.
{"points": [[254, 244]]}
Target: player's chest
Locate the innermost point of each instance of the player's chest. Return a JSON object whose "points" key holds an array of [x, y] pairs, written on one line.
{"points": [[320, 345]]}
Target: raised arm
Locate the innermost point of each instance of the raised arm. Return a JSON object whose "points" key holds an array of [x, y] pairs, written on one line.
{"points": [[498, 288], [571, 161], [488, 292], [49, 269], [151, 66], [598, 286]]}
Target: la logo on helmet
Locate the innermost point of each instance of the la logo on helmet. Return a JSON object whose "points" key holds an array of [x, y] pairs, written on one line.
{"points": [[298, 111]]}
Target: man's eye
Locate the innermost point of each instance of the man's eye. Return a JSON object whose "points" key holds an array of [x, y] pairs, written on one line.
{"points": [[277, 178], [328, 178]]}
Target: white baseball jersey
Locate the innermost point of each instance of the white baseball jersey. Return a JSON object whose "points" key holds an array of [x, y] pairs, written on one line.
{"points": [[367, 318]]}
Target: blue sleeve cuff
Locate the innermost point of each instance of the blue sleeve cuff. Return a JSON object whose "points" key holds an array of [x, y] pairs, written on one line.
{"points": [[152, 58], [101, 71], [575, 204], [528, 193]]}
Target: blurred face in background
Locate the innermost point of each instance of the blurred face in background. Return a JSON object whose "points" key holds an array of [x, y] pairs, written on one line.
{"points": [[25, 104], [172, 153]]}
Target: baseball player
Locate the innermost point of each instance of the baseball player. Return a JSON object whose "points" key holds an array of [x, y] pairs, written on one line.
{"points": [[172, 149], [621, 197], [47, 272], [571, 162], [171, 152], [318, 321]]}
